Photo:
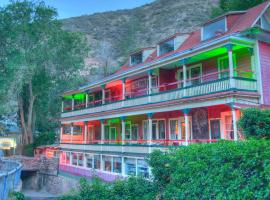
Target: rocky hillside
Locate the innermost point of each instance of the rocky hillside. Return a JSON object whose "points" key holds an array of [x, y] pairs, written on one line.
{"points": [[113, 35]]}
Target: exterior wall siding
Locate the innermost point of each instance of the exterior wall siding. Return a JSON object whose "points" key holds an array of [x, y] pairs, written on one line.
{"points": [[89, 173], [264, 49]]}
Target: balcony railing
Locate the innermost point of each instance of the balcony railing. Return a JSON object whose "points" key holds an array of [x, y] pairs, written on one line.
{"points": [[10, 174], [209, 87], [141, 142]]}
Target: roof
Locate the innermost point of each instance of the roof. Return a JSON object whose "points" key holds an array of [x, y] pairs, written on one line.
{"points": [[242, 20]]}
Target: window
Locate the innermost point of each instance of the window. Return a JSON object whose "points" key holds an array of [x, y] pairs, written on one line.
{"points": [[117, 164], [67, 129], [214, 29], [136, 58], [145, 130], [80, 159], [134, 132], [194, 74], [74, 159], [174, 127], [161, 129], [97, 162], [67, 157], [89, 161], [223, 66], [143, 169], [130, 166], [166, 47], [128, 131], [77, 130], [107, 163], [265, 20]]}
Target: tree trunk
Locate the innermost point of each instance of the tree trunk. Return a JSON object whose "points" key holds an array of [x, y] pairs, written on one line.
{"points": [[30, 113], [27, 124], [22, 119]]}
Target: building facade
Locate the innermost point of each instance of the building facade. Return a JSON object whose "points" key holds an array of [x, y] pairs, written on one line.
{"points": [[187, 89]]}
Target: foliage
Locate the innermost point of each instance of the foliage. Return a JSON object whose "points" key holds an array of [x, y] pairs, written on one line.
{"points": [[255, 123], [46, 138], [28, 150], [18, 196], [38, 60], [234, 5], [130, 189], [225, 170]]}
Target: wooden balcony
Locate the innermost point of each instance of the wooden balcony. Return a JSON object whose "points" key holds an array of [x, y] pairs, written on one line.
{"points": [[199, 89]]}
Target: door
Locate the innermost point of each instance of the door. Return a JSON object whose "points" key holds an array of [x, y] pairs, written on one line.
{"points": [[90, 133], [215, 129], [194, 74], [154, 130]]}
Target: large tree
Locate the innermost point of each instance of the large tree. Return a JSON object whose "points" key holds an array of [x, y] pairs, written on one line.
{"points": [[38, 60]]}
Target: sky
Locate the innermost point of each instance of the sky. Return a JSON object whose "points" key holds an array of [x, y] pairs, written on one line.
{"points": [[71, 8]]}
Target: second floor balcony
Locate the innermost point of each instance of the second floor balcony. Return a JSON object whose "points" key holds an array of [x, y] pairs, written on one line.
{"points": [[227, 72]]}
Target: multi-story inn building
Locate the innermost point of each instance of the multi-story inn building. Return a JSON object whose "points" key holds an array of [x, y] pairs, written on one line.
{"points": [[187, 89]]}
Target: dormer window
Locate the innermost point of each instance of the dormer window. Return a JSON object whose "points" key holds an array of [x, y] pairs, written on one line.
{"points": [[166, 47], [214, 29], [136, 58]]}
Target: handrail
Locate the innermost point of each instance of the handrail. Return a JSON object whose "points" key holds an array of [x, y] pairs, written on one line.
{"points": [[9, 177], [202, 79]]}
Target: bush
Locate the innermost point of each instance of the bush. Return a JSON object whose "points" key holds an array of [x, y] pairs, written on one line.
{"points": [[225, 170], [17, 196], [130, 189], [255, 123]]}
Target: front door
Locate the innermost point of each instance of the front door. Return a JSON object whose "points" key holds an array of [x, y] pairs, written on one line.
{"points": [[215, 128], [90, 133]]}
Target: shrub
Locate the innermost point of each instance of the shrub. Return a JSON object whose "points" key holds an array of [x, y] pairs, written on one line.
{"points": [[130, 189], [255, 123], [226, 170]]}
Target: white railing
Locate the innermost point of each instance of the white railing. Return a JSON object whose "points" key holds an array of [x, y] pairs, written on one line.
{"points": [[169, 95]]}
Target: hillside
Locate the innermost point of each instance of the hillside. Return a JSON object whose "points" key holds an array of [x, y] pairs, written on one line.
{"points": [[113, 35]]}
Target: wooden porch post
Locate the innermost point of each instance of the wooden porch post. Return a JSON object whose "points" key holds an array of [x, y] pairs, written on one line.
{"points": [[150, 115], [72, 102], [231, 67], [150, 82], [235, 136], [61, 132], [123, 126], [123, 167], [187, 134], [86, 99]]}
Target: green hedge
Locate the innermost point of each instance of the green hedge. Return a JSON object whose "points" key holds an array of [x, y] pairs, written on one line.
{"points": [[225, 170], [255, 123]]}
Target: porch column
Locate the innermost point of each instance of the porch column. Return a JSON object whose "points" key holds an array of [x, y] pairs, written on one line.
{"points": [[150, 115], [123, 167], [103, 94], [235, 136], [231, 67], [72, 131], [61, 132], [123, 88], [85, 131], [123, 126], [72, 103], [184, 75], [150, 82], [86, 99], [186, 112], [102, 131]]}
